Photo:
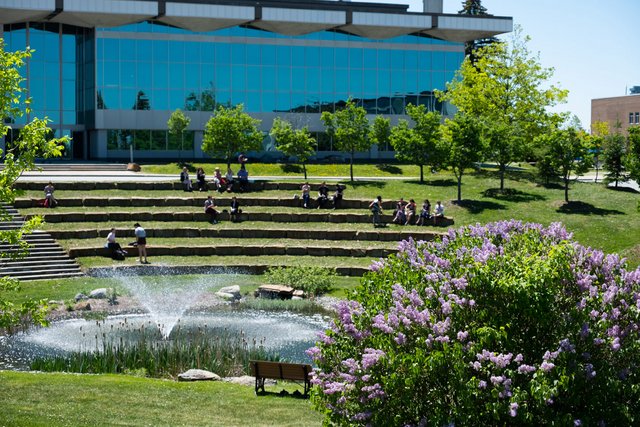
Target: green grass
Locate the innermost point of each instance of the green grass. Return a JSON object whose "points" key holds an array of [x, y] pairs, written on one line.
{"points": [[38, 399]]}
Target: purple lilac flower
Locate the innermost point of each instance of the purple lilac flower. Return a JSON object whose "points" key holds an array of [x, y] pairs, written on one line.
{"points": [[513, 409], [482, 384], [371, 357], [400, 339], [547, 366]]}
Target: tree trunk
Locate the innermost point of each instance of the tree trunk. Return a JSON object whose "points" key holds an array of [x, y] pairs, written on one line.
{"points": [[304, 169], [421, 174], [502, 170], [351, 167], [566, 188], [228, 163], [459, 187], [597, 169], [181, 145]]}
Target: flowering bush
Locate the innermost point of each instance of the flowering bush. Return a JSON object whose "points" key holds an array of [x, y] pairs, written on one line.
{"points": [[508, 323]]}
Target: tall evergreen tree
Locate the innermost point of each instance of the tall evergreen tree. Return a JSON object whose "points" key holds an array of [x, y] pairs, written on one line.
{"points": [[475, 8]]}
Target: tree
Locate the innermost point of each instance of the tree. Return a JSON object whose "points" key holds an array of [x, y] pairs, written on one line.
{"points": [[507, 89], [230, 131], [503, 324], [567, 152], [475, 8], [464, 146], [293, 142], [33, 141], [632, 159], [613, 157], [142, 101], [599, 131], [349, 128], [421, 145], [177, 124], [380, 131]]}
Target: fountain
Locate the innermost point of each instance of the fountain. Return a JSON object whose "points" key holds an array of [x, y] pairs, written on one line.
{"points": [[176, 305]]}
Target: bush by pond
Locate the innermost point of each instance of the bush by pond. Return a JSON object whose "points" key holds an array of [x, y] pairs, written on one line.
{"points": [[312, 280], [503, 324]]}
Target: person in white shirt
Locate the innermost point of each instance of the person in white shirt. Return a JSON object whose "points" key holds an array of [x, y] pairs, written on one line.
{"points": [[438, 213]]}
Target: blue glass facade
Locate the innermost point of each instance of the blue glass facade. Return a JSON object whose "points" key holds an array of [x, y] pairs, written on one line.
{"points": [[111, 87]]}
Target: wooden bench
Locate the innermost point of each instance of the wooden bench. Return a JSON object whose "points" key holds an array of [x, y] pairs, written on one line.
{"points": [[280, 371]]}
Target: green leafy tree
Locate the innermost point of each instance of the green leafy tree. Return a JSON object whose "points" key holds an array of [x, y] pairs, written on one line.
{"points": [[508, 90], [464, 146], [177, 124], [381, 131], [350, 130], [33, 142], [420, 146], [293, 142], [599, 131], [632, 159], [614, 154], [567, 153], [230, 131]]}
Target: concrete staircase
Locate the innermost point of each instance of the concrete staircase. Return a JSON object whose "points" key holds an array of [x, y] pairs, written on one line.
{"points": [[45, 257]]}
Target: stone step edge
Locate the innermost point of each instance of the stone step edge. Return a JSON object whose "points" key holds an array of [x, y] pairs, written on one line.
{"points": [[151, 269]]}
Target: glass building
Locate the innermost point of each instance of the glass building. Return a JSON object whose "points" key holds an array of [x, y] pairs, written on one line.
{"points": [[110, 72]]}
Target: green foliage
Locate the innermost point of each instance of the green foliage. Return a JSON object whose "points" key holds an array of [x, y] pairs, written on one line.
{"points": [[614, 154], [503, 324], [419, 145], [506, 88], [34, 142], [380, 133], [230, 131], [312, 280], [215, 350], [566, 152], [632, 159], [350, 129], [464, 145], [293, 142], [177, 124]]}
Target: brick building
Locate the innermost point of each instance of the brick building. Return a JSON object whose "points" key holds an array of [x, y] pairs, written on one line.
{"points": [[623, 109]]}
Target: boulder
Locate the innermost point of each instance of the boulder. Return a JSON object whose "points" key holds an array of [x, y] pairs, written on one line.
{"points": [[82, 306], [229, 292], [198, 375], [80, 297], [99, 293]]}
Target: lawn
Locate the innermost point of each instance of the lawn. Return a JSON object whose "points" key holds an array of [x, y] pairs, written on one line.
{"points": [[39, 399]]}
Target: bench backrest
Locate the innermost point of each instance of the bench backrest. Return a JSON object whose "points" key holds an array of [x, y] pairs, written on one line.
{"points": [[280, 371]]}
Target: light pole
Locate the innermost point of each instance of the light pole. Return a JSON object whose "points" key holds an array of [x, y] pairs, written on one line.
{"points": [[130, 143]]}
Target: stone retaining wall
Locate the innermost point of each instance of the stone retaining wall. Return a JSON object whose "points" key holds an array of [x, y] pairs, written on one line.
{"points": [[147, 270]]}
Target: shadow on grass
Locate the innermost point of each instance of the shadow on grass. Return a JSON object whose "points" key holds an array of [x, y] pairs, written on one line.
{"points": [[583, 208], [624, 189], [291, 168], [510, 174], [284, 393], [395, 170], [438, 182], [364, 184], [512, 195], [552, 186], [190, 167], [477, 206]]}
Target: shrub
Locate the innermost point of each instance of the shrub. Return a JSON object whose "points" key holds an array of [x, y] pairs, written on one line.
{"points": [[503, 324], [312, 280]]}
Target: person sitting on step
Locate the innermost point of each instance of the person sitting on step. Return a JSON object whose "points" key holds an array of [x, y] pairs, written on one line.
{"points": [[337, 196], [438, 213], [210, 209], [49, 200], [235, 211], [399, 216], [323, 195], [410, 212], [425, 213], [114, 247], [184, 179]]}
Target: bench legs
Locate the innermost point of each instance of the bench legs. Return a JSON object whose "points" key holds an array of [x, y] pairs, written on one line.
{"points": [[259, 384]]}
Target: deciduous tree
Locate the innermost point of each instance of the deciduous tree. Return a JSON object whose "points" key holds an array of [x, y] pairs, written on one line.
{"points": [[381, 131], [293, 142], [350, 130], [463, 146], [613, 158], [33, 142], [599, 131], [632, 159], [177, 124], [230, 131], [508, 90]]}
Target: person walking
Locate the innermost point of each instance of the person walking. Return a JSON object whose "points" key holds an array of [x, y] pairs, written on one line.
{"points": [[141, 240], [376, 210]]}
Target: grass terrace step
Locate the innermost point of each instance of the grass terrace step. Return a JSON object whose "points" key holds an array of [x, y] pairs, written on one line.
{"points": [[48, 275], [18, 272]]}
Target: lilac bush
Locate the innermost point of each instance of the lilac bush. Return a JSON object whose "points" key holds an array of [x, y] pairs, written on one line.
{"points": [[501, 324]]}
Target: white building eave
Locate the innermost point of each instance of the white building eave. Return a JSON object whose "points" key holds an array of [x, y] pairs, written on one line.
{"points": [[290, 20]]}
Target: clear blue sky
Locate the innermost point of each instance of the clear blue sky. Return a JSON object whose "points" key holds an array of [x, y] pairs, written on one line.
{"points": [[593, 45]]}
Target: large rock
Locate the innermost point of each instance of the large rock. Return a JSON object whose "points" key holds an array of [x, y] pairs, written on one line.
{"points": [[82, 306], [99, 293], [198, 375], [229, 292], [80, 297]]}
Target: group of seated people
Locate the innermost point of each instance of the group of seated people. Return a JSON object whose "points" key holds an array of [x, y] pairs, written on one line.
{"points": [[220, 183], [210, 209], [323, 196], [406, 213]]}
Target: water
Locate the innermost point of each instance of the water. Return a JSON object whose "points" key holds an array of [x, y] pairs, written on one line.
{"points": [[170, 302]]}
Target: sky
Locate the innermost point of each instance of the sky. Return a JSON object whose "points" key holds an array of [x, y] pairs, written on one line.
{"points": [[593, 45]]}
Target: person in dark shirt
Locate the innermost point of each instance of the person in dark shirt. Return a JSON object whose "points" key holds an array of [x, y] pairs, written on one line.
{"points": [[323, 195], [235, 211]]}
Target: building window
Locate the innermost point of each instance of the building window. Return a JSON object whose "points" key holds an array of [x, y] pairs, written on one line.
{"points": [[630, 118], [637, 117]]}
